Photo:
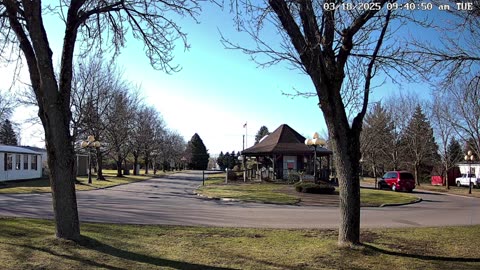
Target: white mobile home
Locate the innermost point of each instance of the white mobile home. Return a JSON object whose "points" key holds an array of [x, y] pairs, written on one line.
{"points": [[18, 163], [473, 168]]}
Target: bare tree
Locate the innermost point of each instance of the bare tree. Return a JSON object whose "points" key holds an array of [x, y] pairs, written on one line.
{"points": [[100, 24], [377, 138], [120, 126], [7, 103], [143, 134], [94, 83], [441, 114], [328, 43], [464, 103], [457, 52], [400, 107]]}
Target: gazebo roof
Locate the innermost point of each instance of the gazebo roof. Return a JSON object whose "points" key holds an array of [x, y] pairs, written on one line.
{"points": [[284, 140]]}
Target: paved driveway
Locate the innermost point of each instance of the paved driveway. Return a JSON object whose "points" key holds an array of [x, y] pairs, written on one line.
{"points": [[171, 201]]}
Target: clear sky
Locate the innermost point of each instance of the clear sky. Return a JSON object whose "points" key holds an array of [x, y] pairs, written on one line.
{"points": [[216, 92]]}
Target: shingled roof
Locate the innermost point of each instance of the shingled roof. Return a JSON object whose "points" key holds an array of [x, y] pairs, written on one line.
{"points": [[284, 140]]}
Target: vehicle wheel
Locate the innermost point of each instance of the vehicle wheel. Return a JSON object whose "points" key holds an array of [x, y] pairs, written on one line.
{"points": [[458, 184], [394, 188]]}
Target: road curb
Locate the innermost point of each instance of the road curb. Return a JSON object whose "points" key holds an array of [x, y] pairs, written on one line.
{"points": [[400, 204]]}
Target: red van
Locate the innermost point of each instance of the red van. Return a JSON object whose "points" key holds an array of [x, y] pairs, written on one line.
{"points": [[397, 180]]}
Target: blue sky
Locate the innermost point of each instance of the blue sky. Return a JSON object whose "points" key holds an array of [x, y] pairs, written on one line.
{"points": [[216, 91]]}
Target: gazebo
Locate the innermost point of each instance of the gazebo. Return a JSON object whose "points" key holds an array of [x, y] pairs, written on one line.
{"points": [[284, 151]]}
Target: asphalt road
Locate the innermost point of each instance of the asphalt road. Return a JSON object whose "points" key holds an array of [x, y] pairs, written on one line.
{"points": [[171, 201]]}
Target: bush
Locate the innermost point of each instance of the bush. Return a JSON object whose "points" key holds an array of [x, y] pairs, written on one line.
{"points": [[293, 177], [314, 188], [231, 175]]}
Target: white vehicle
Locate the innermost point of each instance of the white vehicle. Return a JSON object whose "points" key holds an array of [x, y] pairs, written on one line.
{"points": [[465, 180]]}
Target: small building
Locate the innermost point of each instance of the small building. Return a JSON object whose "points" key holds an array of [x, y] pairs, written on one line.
{"points": [[81, 160], [19, 163], [473, 168], [284, 151]]}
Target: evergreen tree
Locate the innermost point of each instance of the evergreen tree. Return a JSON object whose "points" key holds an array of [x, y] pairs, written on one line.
{"points": [[7, 135], [261, 133], [454, 152], [221, 161], [197, 154], [419, 146]]}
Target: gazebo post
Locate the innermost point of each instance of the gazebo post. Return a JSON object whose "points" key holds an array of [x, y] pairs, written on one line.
{"points": [[274, 161]]}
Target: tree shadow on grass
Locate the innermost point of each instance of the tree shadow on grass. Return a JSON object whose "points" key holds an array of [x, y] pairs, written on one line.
{"points": [[82, 260], [94, 244], [422, 257]]}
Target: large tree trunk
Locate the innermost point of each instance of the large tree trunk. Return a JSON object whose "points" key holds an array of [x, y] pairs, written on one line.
{"points": [[119, 166], [61, 161], [345, 142], [147, 161], [99, 165], [446, 177], [135, 163], [346, 160], [416, 174]]}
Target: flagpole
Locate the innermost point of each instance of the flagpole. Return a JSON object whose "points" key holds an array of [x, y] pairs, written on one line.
{"points": [[246, 134]]}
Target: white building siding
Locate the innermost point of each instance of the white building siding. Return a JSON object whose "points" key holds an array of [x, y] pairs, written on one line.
{"points": [[473, 168], [16, 170]]}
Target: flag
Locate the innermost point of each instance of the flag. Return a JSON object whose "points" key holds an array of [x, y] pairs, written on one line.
{"points": [[245, 125]]}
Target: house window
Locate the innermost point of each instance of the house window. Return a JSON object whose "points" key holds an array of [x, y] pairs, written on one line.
{"points": [[9, 162], [34, 162], [17, 162], [25, 162]]}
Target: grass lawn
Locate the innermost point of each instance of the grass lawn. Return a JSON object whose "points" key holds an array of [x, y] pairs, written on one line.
{"points": [[375, 197], [453, 190], [426, 186], [29, 244], [275, 193], [43, 185]]}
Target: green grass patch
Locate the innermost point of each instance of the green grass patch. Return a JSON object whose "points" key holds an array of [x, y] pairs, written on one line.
{"points": [[443, 189], [43, 185], [29, 244], [453, 190], [375, 197], [215, 179], [259, 192], [278, 193]]}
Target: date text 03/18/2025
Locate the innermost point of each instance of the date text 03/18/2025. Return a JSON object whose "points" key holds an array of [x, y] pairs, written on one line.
{"points": [[397, 6]]}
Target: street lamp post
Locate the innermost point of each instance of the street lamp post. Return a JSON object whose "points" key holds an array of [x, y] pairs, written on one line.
{"points": [[90, 143], [315, 141], [469, 157]]}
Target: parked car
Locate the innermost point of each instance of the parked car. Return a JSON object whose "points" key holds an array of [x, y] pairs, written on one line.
{"points": [[466, 179], [397, 181]]}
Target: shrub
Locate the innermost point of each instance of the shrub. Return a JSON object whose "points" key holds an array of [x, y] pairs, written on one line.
{"points": [[293, 177], [314, 188], [231, 175]]}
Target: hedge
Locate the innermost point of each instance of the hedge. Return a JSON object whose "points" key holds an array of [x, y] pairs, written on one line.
{"points": [[314, 188]]}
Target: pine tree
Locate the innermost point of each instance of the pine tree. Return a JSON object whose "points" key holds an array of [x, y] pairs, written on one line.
{"points": [[221, 161], [454, 152], [7, 135], [419, 146], [197, 154], [262, 132]]}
